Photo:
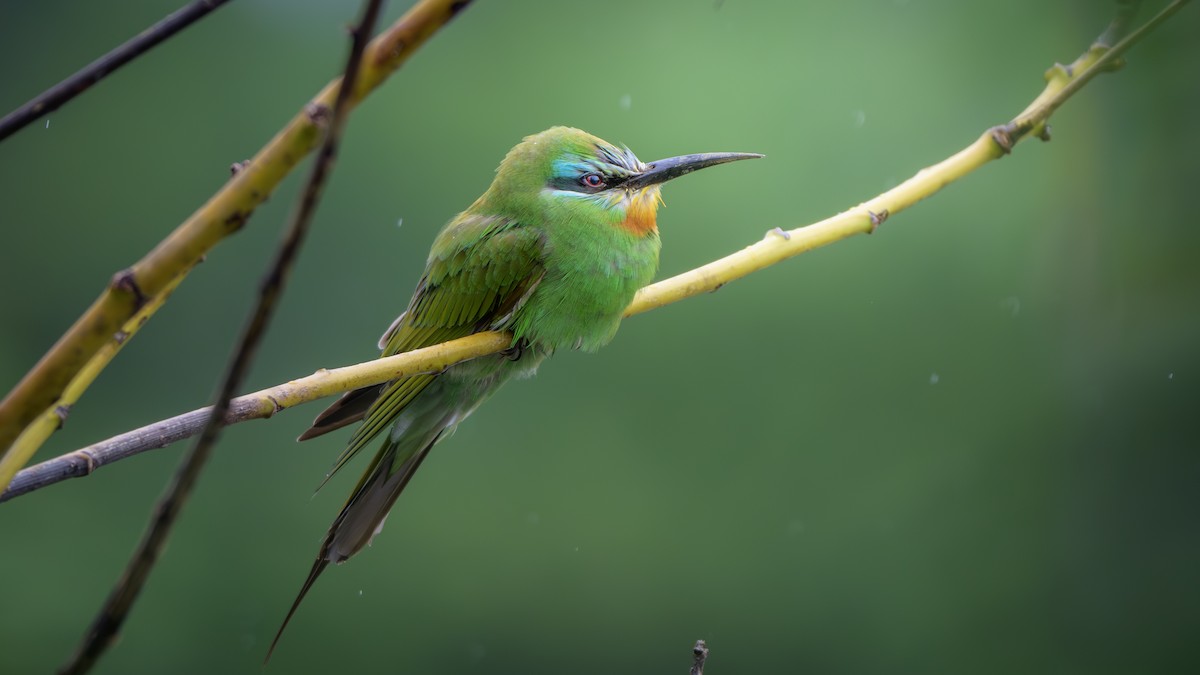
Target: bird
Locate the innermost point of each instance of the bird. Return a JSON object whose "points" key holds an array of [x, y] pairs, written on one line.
{"points": [[553, 252]]}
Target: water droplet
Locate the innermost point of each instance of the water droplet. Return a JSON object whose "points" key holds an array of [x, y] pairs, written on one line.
{"points": [[47, 122], [933, 378], [626, 102], [1170, 376], [399, 222], [860, 118]]}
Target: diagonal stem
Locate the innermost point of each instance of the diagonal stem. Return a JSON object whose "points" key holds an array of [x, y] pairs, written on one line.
{"points": [[111, 616], [54, 97]]}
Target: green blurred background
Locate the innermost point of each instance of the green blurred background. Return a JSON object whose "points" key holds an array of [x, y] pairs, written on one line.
{"points": [[965, 444]]}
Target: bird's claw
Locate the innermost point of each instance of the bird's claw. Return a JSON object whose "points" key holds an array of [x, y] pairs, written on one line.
{"points": [[515, 352]]}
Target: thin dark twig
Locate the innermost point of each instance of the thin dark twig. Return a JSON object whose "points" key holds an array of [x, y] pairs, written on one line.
{"points": [[699, 656], [108, 621], [51, 99]]}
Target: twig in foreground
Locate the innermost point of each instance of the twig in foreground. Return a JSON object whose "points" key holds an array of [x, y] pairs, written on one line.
{"points": [[108, 621], [51, 99]]}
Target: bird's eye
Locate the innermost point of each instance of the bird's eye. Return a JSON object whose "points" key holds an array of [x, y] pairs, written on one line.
{"points": [[592, 180]]}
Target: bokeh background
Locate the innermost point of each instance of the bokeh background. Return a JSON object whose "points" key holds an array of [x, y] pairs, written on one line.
{"points": [[967, 443]]}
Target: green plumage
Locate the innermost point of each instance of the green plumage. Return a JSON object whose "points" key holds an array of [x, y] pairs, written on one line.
{"points": [[553, 252]]}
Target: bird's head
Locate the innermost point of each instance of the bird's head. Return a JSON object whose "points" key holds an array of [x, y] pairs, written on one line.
{"points": [[565, 172]]}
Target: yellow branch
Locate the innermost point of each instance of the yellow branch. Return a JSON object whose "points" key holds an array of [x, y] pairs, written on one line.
{"points": [[133, 291], [1061, 83]]}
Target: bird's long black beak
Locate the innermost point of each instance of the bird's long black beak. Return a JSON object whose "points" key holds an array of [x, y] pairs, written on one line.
{"points": [[663, 170]]}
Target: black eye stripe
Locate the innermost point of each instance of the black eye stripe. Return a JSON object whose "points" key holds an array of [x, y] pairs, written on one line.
{"points": [[582, 184]]}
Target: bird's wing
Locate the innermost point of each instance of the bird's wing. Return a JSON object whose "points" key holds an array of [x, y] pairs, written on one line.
{"points": [[479, 272]]}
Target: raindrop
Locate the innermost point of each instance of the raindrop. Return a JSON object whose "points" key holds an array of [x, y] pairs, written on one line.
{"points": [[399, 222], [860, 118], [626, 102], [933, 378]]}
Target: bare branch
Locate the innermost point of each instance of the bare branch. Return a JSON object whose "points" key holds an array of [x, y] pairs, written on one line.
{"points": [[54, 97], [258, 405], [112, 615]]}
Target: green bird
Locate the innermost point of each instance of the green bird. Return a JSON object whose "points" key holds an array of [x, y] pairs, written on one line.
{"points": [[553, 252]]}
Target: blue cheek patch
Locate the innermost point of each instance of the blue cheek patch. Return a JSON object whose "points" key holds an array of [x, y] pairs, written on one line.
{"points": [[570, 168], [566, 170]]}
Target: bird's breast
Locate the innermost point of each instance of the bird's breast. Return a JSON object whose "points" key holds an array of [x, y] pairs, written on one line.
{"points": [[590, 279]]}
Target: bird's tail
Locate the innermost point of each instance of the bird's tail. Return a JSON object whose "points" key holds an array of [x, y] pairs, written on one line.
{"points": [[318, 567], [363, 515]]}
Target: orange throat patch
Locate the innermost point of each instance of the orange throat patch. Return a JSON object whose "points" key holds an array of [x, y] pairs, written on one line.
{"points": [[642, 211]]}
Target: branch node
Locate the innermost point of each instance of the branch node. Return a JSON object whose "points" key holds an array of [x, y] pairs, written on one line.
{"points": [[877, 219], [62, 412], [1044, 133], [125, 282], [318, 113], [1003, 137], [237, 167], [275, 403], [89, 462], [1058, 72], [235, 221], [1098, 50]]}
